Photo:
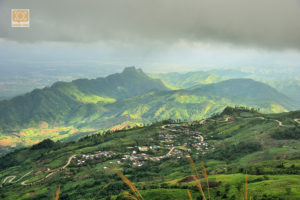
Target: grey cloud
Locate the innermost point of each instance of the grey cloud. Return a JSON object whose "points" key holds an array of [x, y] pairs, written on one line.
{"points": [[263, 23]]}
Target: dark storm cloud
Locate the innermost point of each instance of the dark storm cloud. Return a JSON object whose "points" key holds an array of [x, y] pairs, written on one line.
{"points": [[264, 23]]}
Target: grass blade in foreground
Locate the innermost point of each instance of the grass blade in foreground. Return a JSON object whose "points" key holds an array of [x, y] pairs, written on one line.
{"points": [[189, 193], [130, 196], [192, 163], [198, 184], [206, 178], [57, 193], [246, 187], [128, 182], [105, 186]]}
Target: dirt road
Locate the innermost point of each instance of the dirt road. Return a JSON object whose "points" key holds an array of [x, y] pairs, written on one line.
{"points": [[9, 179], [169, 153], [69, 161]]}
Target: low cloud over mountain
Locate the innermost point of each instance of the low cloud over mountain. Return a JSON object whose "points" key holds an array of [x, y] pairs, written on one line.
{"points": [[264, 23]]}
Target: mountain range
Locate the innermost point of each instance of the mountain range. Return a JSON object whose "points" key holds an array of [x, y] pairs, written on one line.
{"points": [[129, 98]]}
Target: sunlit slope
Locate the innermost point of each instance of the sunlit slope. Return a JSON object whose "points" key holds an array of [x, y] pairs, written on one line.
{"points": [[189, 79], [185, 104], [54, 104]]}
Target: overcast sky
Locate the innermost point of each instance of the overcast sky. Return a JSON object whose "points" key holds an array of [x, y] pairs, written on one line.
{"points": [[157, 35]]}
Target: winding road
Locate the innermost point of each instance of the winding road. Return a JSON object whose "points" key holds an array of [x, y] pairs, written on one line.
{"points": [[9, 179], [169, 153], [48, 175], [279, 122]]}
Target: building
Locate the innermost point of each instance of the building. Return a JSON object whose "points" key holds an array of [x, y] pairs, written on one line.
{"points": [[144, 148]]}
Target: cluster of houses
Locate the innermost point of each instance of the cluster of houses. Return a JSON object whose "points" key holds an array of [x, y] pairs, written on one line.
{"points": [[195, 138], [81, 159], [169, 139]]}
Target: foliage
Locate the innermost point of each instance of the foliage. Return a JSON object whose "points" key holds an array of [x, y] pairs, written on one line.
{"points": [[234, 151], [45, 144], [287, 134]]}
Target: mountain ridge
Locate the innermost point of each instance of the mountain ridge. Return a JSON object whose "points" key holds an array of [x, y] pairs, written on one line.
{"points": [[52, 103]]}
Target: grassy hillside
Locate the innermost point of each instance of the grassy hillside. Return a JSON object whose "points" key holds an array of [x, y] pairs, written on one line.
{"points": [[153, 157]]}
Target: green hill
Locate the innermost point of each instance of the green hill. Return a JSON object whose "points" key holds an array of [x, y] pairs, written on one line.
{"points": [[286, 84], [289, 87], [250, 92], [236, 141]]}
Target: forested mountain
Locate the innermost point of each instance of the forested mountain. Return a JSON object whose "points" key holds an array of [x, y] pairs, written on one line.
{"points": [[289, 87], [286, 83], [248, 91], [127, 98], [53, 104]]}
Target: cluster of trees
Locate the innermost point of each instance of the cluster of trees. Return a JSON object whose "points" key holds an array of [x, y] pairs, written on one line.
{"points": [[234, 151], [230, 110], [45, 144], [287, 134]]}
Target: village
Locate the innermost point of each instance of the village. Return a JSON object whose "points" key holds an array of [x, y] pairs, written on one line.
{"points": [[174, 140]]}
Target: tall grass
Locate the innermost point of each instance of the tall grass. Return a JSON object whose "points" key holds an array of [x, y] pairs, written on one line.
{"points": [[57, 193], [192, 163], [130, 196], [198, 184], [246, 187], [105, 186], [189, 193], [131, 186], [206, 177]]}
